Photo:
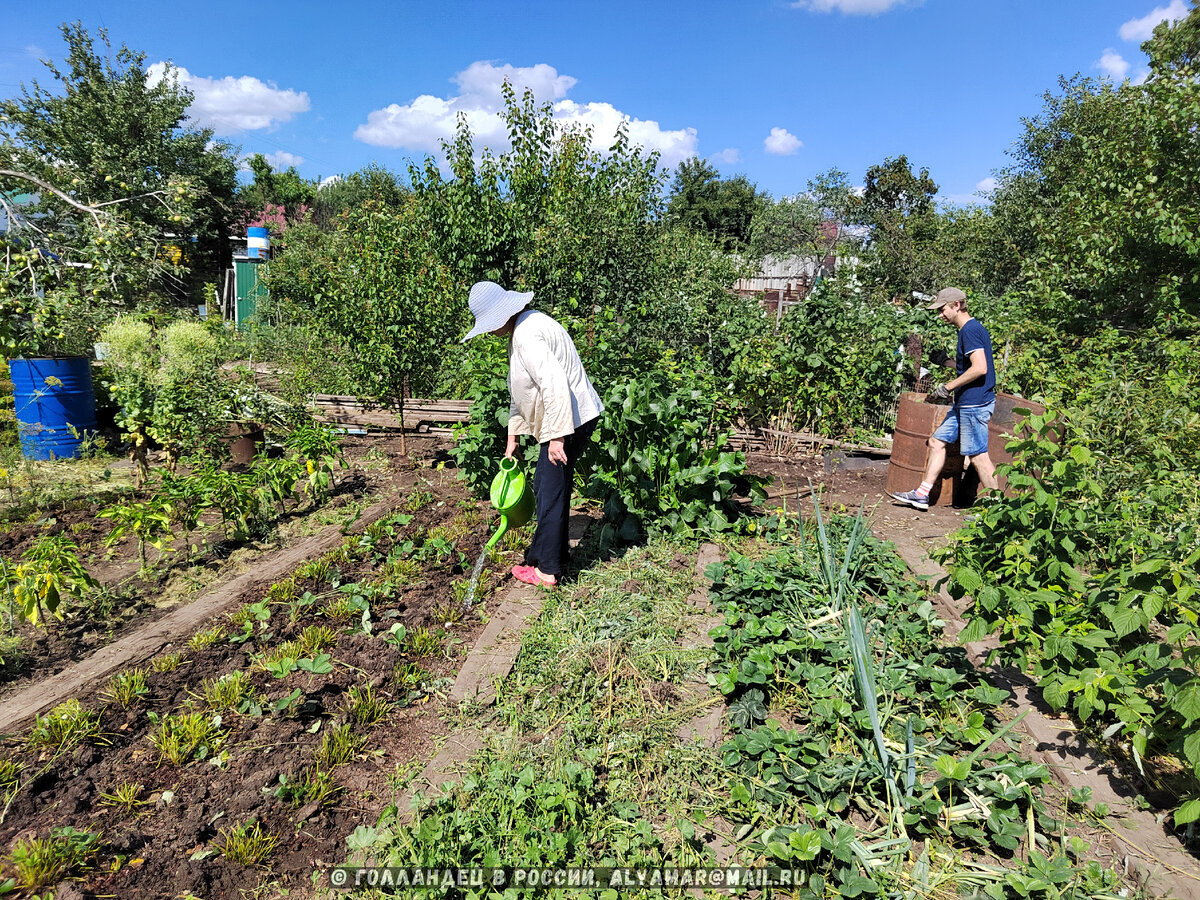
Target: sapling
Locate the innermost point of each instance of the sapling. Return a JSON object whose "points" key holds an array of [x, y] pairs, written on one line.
{"points": [[148, 520]]}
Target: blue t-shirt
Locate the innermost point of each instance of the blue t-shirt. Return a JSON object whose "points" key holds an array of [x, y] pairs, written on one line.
{"points": [[982, 391]]}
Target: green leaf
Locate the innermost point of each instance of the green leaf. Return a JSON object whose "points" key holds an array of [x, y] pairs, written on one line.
{"points": [[1187, 702], [1188, 812]]}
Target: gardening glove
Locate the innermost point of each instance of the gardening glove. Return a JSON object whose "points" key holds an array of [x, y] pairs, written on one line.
{"points": [[941, 394], [939, 357]]}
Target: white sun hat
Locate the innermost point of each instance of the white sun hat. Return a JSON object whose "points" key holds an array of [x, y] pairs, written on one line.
{"points": [[493, 306]]}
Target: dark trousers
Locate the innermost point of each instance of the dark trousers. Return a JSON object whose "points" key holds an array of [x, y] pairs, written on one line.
{"points": [[552, 484]]}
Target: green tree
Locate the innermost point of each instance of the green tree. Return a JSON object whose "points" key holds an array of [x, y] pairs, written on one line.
{"points": [[284, 190], [810, 224], [377, 285], [897, 206], [350, 192], [125, 188], [724, 208], [1110, 174]]}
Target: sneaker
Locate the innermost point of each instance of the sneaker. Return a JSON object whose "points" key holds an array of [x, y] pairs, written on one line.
{"points": [[913, 498]]}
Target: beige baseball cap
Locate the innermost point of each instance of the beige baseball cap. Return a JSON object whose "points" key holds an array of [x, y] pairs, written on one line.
{"points": [[946, 295]]}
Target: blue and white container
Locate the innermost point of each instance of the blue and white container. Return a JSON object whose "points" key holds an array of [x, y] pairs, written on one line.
{"points": [[258, 243]]}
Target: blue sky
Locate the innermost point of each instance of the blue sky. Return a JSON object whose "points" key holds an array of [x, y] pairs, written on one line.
{"points": [[778, 90]]}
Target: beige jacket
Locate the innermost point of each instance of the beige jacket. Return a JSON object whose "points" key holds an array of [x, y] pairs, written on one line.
{"points": [[551, 394]]}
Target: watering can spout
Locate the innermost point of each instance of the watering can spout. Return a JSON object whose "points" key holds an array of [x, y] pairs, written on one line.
{"points": [[499, 534], [512, 498]]}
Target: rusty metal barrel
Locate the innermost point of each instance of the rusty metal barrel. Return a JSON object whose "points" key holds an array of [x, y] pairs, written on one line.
{"points": [[916, 420]]}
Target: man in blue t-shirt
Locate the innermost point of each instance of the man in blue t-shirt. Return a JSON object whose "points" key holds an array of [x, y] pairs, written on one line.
{"points": [[974, 391]]}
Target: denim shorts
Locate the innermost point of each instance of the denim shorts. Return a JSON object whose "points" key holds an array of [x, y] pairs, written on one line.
{"points": [[969, 426]]}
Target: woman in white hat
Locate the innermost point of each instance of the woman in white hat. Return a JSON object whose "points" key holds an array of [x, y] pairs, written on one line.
{"points": [[551, 399]]}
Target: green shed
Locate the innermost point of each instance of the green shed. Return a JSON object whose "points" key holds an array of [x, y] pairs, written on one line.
{"points": [[249, 288]]}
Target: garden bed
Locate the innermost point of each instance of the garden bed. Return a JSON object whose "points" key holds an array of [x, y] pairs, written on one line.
{"points": [[127, 598], [331, 678]]}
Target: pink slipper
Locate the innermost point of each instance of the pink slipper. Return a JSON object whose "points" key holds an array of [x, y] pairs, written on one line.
{"points": [[529, 575]]}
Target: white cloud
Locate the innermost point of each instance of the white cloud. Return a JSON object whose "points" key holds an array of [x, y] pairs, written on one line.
{"points": [[849, 7], [782, 142], [1113, 64], [281, 159], [986, 186], [730, 156], [425, 121], [328, 180], [229, 105], [1142, 29]]}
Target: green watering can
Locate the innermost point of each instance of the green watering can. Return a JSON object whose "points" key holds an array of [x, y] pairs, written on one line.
{"points": [[512, 497]]}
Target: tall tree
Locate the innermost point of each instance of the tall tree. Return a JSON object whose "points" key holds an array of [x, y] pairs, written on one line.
{"points": [[723, 208], [284, 190], [1109, 175], [897, 206], [119, 172]]}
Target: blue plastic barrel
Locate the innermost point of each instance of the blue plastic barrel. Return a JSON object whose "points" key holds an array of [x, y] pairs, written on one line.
{"points": [[55, 407]]}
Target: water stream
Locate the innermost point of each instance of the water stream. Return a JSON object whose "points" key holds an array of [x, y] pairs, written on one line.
{"points": [[474, 582]]}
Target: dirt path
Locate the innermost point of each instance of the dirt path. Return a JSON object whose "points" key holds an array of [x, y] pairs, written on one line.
{"points": [[1158, 858]]}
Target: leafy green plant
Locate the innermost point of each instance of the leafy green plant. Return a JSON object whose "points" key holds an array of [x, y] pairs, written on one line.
{"points": [[168, 662], [339, 746], [319, 449], [126, 688], [149, 521], [364, 707], [50, 574], [312, 785], [231, 692], [125, 797], [210, 637], [659, 462]]}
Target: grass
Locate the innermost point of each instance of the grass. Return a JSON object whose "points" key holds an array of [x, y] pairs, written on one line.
{"points": [[282, 591], [312, 785], [364, 707], [247, 844], [315, 570], [316, 639], [227, 692], [168, 662], [13, 655], [341, 610], [587, 765], [65, 726], [210, 637], [126, 688], [182, 737], [339, 746], [424, 641], [124, 797], [37, 863]]}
